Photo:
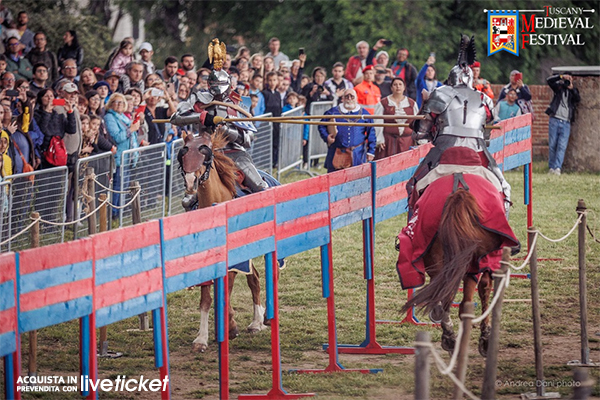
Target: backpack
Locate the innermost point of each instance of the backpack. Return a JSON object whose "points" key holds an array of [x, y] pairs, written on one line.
{"points": [[56, 153]]}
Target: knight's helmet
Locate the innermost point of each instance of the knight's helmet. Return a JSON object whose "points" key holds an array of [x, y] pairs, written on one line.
{"points": [[219, 81], [461, 73]]}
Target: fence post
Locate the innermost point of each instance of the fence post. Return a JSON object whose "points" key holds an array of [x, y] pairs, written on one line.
{"points": [[583, 384], [488, 390], [467, 315], [91, 192], [422, 366], [35, 242], [585, 346], [103, 347], [136, 218]]}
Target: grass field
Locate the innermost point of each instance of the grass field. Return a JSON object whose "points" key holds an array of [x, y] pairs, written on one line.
{"points": [[304, 328]]}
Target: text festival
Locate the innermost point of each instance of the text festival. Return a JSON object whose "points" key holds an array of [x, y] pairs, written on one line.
{"points": [[556, 18]]}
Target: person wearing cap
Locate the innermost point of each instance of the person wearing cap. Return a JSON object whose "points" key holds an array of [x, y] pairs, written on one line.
{"points": [[405, 70], [367, 93], [70, 93], [146, 52], [479, 83], [426, 80], [357, 63], [112, 78], [347, 147], [103, 89], [382, 80], [516, 82]]}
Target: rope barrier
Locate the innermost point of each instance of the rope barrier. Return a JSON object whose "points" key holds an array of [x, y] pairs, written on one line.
{"points": [[439, 361], [109, 189], [136, 195]]}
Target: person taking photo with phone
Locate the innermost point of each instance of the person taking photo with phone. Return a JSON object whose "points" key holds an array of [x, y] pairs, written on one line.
{"points": [[516, 82], [426, 81]]}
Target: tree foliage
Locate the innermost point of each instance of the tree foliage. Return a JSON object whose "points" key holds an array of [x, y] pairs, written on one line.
{"points": [[327, 29]]}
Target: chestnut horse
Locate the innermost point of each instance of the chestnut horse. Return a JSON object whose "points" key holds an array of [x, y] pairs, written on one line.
{"points": [[454, 255], [199, 157]]}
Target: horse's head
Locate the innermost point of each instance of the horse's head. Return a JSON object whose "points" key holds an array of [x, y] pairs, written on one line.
{"points": [[195, 160]]}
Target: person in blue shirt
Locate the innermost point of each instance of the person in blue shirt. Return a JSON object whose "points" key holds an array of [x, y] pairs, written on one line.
{"points": [[508, 107], [426, 79]]}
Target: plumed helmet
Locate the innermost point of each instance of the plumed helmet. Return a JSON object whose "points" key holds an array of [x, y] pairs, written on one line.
{"points": [[219, 83], [460, 76], [461, 73]]}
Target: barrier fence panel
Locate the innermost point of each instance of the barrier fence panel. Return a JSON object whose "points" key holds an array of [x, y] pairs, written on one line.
{"points": [[55, 285], [103, 165], [194, 248], [5, 212], [128, 281], [390, 176], [9, 336], [290, 143], [317, 148], [262, 148], [43, 191], [176, 183], [496, 147], [147, 165]]}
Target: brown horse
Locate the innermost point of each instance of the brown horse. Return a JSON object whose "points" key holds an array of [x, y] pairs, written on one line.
{"points": [[199, 157], [453, 256]]}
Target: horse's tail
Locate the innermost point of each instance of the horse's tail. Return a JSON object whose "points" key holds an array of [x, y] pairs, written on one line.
{"points": [[460, 235]]}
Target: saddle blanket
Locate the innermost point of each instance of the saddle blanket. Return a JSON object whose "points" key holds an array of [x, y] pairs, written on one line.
{"points": [[418, 236]]}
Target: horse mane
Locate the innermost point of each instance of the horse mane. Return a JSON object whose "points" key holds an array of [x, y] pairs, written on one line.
{"points": [[461, 236], [225, 167]]}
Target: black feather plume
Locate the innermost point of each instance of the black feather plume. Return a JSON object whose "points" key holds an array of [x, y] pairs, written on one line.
{"points": [[466, 51]]}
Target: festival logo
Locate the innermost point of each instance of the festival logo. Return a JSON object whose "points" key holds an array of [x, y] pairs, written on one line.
{"points": [[511, 30], [502, 32]]}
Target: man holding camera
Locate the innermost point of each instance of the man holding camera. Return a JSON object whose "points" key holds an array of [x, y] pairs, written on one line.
{"points": [[562, 113]]}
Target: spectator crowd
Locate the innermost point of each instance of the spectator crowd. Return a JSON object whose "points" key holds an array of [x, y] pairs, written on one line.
{"points": [[55, 112]]}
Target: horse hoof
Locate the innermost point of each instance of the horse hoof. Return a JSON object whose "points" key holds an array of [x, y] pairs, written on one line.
{"points": [[233, 333], [267, 322], [437, 314], [199, 347], [483, 342], [256, 328], [448, 343]]}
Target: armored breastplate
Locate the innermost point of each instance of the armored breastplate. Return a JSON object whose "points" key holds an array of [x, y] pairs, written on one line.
{"points": [[465, 115]]}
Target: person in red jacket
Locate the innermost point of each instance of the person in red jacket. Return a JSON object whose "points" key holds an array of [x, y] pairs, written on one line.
{"points": [[365, 57]]}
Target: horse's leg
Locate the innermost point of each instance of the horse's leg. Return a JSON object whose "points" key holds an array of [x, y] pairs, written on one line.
{"points": [[485, 289], [257, 324], [201, 341], [448, 336], [233, 329]]}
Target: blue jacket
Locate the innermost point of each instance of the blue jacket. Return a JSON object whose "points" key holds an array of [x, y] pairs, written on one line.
{"points": [[422, 84], [117, 126], [350, 136]]}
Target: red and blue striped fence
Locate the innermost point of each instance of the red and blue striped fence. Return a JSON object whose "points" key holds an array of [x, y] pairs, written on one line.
{"points": [[118, 274]]}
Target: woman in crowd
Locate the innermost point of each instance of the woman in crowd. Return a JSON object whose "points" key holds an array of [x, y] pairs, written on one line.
{"points": [[124, 133], [7, 131], [52, 123], [256, 63], [156, 131], [95, 103], [70, 49], [268, 66], [243, 52], [426, 80], [316, 90], [392, 140], [87, 80], [82, 104]]}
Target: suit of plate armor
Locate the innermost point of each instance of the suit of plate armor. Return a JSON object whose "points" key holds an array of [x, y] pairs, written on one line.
{"points": [[455, 115], [198, 109]]}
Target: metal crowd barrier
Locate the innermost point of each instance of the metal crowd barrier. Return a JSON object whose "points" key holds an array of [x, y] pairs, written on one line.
{"points": [[262, 148], [4, 211], [44, 191], [317, 148], [103, 165], [290, 143], [177, 186], [147, 165]]}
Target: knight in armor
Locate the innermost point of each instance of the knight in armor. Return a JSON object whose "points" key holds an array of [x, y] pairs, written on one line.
{"points": [[209, 109], [455, 116]]}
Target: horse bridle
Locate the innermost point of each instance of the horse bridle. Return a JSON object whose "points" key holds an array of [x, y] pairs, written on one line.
{"points": [[207, 163]]}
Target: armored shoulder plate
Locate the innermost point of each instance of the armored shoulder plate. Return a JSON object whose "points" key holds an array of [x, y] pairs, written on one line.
{"points": [[439, 100], [204, 97]]}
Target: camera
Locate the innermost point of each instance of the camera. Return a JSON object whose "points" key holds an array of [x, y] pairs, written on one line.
{"points": [[567, 82], [387, 42], [320, 89]]}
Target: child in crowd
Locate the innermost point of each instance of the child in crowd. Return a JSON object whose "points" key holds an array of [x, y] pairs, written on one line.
{"points": [[254, 103], [123, 57], [88, 145], [507, 107], [103, 89], [2, 64], [291, 101]]}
